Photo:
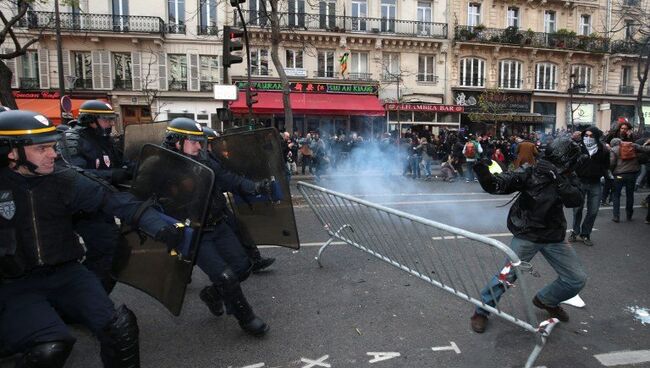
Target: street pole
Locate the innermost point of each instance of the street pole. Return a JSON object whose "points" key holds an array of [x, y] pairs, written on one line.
{"points": [[572, 76], [59, 51]]}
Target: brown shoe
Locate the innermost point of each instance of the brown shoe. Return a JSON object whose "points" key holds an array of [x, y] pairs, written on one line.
{"points": [[555, 312], [479, 322]]}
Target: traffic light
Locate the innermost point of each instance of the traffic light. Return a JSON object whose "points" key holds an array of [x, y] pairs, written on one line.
{"points": [[250, 97], [232, 42]]}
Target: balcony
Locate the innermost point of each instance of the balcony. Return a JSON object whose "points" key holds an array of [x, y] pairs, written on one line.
{"points": [[626, 90], [360, 76], [625, 47], [94, 22], [29, 83], [82, 83], [208, 30], [347, 24], [122, 84], [324, 74], [427, 78], [177, 85], [175, 28], [515, 36], [511, 83], [546, 86]]}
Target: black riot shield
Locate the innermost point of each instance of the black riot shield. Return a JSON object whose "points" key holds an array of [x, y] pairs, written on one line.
{"points": [[257, 154], [137, 135], [180, 188]]}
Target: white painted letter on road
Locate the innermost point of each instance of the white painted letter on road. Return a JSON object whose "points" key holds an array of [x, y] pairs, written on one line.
{"points": [[381, 356], [320, 362], [453, 347]]}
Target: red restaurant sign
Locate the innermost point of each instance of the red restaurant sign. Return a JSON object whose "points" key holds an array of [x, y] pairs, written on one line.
{"points": [[42, 94], [423, 107]]}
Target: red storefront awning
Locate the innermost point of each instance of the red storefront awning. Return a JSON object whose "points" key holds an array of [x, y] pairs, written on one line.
{"points": [[50, 108], [312, 104]]}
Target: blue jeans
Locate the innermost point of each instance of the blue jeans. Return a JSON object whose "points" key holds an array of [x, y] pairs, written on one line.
{"points": [[593, 192], [561, 256], [626, 180], [470, 170], [415, 166]]}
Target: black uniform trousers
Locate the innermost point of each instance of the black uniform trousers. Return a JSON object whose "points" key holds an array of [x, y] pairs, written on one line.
{"points": [[220, 249], [31, 307]]}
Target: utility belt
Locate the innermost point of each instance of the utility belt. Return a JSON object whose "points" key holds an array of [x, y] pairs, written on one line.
{"points": [[40, 271], [213, 221]]}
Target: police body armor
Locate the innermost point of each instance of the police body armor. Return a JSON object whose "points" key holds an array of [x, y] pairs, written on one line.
{"points": [[31, 236]]}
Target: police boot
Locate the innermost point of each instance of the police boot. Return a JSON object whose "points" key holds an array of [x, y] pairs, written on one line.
{"points": [[46, 355], [237, 305], [211, 297], [120, 347]]}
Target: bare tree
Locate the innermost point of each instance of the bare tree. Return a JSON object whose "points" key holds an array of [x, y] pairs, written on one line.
{"points": [[150, 85]]}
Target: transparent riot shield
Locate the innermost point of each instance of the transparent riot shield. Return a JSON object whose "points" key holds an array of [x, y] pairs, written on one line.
{"points": [[180, 188], [257, 154], [137, 135]]}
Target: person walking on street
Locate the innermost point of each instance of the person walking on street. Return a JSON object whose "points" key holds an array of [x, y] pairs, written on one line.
{"points": [[526, 153], [472, 151], [624, 164], [536, 219], [589, 173]]}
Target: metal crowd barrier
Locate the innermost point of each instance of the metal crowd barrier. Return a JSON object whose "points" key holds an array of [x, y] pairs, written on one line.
{"points": [[452, 259]]}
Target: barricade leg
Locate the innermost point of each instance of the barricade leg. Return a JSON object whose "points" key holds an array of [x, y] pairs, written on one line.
{"points": [[329, 241]]}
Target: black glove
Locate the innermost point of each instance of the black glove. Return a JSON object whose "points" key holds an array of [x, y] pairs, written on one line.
{"points": [[171, 235], [482, 171], [263, 187], [120, 175], [547, 169]]}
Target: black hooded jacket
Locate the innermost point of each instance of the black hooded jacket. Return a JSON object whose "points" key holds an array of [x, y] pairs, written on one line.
{"points": [[538, 213], [592, 169]]}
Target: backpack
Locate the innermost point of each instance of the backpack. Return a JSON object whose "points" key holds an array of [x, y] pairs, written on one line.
{"points": [[627, 151], [470, 150]]}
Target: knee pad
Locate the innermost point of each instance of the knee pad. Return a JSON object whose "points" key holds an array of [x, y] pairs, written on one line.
{"points": [[51, 354], [227, 282], [119, 340]]}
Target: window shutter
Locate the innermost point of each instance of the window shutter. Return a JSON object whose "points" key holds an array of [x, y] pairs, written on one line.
{"points": [[193, 60], [96, 69], [136, 70], [12, 65], [162, 71], [44, 68], [107, 71], [67, 71]]}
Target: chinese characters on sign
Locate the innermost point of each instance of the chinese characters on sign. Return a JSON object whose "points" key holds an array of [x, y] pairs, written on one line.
{"points": [[310, 87]]}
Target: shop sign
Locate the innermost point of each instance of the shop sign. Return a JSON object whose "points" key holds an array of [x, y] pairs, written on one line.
{"points": [[39, 94], [494, 101], [423, 107], [506, 118], [309, 87], [583, 113], [295, 72]]}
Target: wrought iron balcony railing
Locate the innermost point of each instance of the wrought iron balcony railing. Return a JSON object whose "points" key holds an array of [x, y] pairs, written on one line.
{"points": [[122, 84], [29, 83], [207, 86], [175, 28], [177, 85], [343, 24], [360, 76], [324, 74], [626, 90], [82, 83], [471, 81], [511, 83], [208, 30], [429, 78], [546, 86], [94, 22], [515, 36], [625, 47]]}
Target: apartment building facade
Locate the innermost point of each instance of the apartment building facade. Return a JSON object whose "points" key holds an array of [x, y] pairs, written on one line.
{"points": [[365, 66]]}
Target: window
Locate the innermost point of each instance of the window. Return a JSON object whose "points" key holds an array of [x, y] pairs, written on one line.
{"points": [[424, 17], [545, 76], [388, 11], [293, 59], [472, 72], [426, 68], [325, 64], [509, 74], [176, 11], [208, 17], [29, 76], [585, 25], [473, 14], [359, 65], [177, 72], [629, 30], [359, 10], [209, 71], [297, 13], [581, 78], [260, 62], [122, 71], [327, 14], [390, 66], [513, 17], [549, 21], [257, 12], [82, 62], [120, 15]]}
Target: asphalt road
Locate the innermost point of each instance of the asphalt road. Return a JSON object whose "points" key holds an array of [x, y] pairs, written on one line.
{"points": [[359, 312]]}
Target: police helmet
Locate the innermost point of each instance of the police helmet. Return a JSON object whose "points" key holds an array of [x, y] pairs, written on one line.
{"points": [[92, 110], [210, 133], [563, 153], [19, 128], [181, 129], [4, 108]]}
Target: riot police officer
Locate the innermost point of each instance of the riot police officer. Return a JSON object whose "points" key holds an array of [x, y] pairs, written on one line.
{"points": [[259, 263], [220, 253], [41, 280]]}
